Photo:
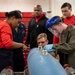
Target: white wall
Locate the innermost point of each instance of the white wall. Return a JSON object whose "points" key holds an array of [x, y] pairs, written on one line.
{"points": [[23, 5], [28, 5], [56, 6]]}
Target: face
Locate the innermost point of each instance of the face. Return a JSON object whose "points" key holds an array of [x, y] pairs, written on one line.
{"points": [[66, 11], [43, 41], [15, 22], [57, 29], [37, 11]]}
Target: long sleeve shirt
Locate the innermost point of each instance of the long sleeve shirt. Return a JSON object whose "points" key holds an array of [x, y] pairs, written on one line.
{"points": [[6, 40], [69, 21]]}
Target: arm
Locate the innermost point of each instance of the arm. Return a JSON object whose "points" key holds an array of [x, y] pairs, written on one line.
{"points": [[52, 53], [6, 38], [55, 56], [17, 45], [66, 47]]}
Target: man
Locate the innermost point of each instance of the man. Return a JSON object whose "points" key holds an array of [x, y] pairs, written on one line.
{"points": [[37, 26], [66, 9], [67, 39], [69, 19], [43, 41]]}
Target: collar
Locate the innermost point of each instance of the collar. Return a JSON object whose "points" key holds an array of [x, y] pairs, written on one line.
{"points": [[70, 16], [38, 18], [67, 29]]}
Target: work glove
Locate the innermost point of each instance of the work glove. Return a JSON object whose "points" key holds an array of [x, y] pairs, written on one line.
{"points": [[49, 48]]}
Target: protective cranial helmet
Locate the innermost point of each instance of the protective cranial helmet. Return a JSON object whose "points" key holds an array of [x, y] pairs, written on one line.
{"points": [[52, 21]]}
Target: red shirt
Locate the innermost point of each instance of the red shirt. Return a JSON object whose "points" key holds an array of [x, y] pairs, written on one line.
{"points": [[6, 40], [55, 40], [69, 21], [0, 21], [38, 18]]}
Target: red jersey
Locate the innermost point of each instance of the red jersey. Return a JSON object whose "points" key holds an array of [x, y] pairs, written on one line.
{"points": [[0, 21], [69, 21], [6, 39]]}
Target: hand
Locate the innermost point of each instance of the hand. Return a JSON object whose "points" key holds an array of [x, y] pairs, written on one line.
{"points": [[49, 48], [24, 48]]}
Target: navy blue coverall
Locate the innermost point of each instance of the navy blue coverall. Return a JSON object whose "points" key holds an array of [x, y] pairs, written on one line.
{"points": [[18, 59]]}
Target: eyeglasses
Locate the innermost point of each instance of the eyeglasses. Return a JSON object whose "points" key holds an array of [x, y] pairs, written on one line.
{"points": [[41, 42]]}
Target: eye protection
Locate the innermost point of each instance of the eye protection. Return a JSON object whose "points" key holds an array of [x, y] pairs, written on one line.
{"points": [[53, 21]]}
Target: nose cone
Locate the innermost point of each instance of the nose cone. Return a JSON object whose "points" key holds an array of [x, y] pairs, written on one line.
{"points": [[40, 64]]}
